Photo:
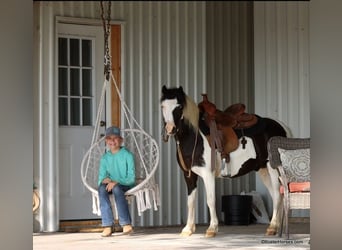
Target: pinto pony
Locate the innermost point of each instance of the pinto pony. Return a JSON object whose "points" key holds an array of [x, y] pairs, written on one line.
{"points": [[189, 126]]}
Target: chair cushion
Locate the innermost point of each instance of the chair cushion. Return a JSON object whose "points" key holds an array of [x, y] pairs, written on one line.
{"points": [[296, 164], [297, 187]]}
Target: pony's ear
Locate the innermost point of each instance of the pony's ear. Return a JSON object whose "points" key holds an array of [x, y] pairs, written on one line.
{"points": [[164, 89], [181, 89]]}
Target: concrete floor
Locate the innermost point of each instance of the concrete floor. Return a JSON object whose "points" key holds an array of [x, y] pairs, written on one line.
{"points": [[228, 237]]}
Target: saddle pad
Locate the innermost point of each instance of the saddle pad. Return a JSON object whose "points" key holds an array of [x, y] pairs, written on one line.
{"points": [[297, 187]]}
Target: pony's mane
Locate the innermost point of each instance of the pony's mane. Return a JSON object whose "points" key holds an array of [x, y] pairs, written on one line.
{"points": [[190, 109], [191, 112]]}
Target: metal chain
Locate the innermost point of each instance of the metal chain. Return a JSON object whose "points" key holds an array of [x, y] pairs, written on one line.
{"points": [[106, 28]]}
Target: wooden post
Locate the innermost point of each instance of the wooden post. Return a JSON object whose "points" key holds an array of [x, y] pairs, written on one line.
{"points": [[116, 70]]}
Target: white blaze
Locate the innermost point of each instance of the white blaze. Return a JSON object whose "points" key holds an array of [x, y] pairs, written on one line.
{"points": [[167, 108]]}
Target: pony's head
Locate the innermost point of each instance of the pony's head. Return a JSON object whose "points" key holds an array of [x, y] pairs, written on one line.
{"points": [[177, 107]]}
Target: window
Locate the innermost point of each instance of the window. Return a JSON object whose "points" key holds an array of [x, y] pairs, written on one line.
{"points": [[75, 81]]}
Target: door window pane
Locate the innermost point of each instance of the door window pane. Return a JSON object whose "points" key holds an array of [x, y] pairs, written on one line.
{"points": [[63, 81], [63, 51], [86, 53], [75, 111], [74, 52], [74, 82], [86, 82], [87, 112], [63, 111]]}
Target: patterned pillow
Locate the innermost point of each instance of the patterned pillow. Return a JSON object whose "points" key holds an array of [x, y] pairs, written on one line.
{"points": [[296, 164]]}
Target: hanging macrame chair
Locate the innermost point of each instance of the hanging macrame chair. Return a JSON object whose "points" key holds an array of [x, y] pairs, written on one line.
{"points": [[143, 146]]}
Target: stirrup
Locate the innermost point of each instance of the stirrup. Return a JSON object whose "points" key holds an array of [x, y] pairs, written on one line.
{"points": [[224, 169]]}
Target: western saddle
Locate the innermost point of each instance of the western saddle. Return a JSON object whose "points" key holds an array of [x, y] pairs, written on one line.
{"points": [[222, 125]]}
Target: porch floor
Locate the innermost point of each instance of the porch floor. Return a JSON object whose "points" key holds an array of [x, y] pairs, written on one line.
{"points": [[232, 237]]}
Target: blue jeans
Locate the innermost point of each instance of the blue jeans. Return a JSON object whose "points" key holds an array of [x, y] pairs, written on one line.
{"points": [[121, 204]]}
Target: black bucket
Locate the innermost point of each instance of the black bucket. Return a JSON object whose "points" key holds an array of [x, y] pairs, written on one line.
{"points": [[237, 209]]}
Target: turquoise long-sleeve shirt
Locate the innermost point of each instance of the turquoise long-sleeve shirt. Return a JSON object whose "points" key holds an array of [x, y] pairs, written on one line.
{"points": [[119, 167]]}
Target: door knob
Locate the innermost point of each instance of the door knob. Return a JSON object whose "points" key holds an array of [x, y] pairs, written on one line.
{"points": [[102, 123]]}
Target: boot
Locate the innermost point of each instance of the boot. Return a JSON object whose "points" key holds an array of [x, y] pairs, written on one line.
{"points": [[107, 231], [127, 229]]}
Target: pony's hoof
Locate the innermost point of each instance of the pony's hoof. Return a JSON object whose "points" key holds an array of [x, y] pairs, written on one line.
{"points": [[270, 231], [185, 233], [210, 234], [188, 231]]}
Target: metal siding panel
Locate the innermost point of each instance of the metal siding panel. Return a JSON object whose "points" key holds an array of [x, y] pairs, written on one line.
{"points": [[210, 79], [304, 70], [282, 61], [286, 57], [292, 65], [259, 55], [286, 96], [219, 49]]}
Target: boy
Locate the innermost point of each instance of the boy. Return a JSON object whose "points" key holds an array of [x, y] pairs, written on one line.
{"points": [[116, 176]]}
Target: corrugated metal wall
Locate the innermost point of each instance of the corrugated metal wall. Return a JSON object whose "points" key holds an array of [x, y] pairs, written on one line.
{"points": [[282, 67], [230, 53], [282, 63]]}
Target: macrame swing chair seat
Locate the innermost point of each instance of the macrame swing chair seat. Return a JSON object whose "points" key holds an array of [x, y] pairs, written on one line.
{"points": [[143, 146]]}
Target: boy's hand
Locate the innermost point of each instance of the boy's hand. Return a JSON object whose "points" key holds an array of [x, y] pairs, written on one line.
{"points": [[110, 186]]}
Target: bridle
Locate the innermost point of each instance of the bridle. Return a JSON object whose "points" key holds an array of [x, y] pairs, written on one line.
{"points": [[180, 155], [166, 137]]}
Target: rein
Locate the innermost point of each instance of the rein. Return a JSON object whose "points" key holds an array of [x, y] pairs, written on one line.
{"points": [[182, 163]]}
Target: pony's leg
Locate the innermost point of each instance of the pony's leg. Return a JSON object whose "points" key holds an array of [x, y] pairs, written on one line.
{"points": [[269, 176], [208, 177], [209, 183], [190, 226]]}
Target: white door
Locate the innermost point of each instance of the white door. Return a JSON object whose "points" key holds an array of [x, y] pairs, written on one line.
{"points": [[80, 57]]}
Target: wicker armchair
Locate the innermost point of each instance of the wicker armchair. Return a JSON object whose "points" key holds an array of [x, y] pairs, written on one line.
{"points": [[291, 156]]}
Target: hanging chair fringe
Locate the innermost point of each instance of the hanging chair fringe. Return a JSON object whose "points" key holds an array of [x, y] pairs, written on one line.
{"points": [[143, 197], [96, 204]]}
